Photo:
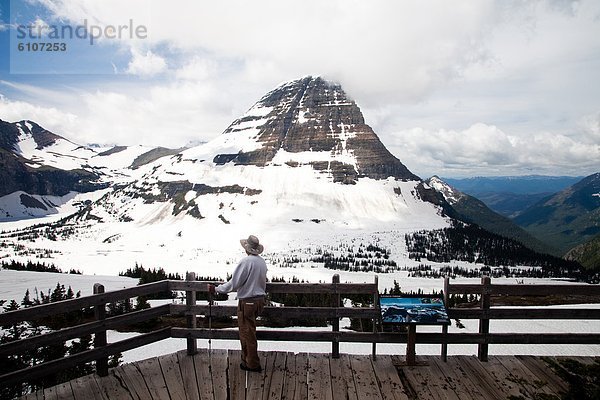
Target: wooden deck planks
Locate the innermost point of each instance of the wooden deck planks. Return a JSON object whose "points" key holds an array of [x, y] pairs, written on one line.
{"points": [[342, 379], [219, 368], [440, 385], [301, 376], [172, 373], [453, 378], [111, 387], [533, 385], [133, 379], [274, 387], [364, 378], [236, 377], [50, 393], [86, 388], [290, 379], [316, 376], [541, 370], [503, 377], [258, 381], [418, 381], [64, 391], [319, 383], [188, 374], [389, 381], [203, 374], [155, 381], [481, 377], [464, 388]]}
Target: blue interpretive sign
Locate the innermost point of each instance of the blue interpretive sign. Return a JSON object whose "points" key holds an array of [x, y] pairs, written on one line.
{"points": [[413, 309]]}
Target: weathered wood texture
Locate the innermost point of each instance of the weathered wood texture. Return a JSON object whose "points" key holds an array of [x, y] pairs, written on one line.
{"points": [[217, 375], [333, 312]]}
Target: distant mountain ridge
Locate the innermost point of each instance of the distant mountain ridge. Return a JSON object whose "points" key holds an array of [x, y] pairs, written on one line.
{"points": [[587, 254], [568, 218], [511, 195], [473, 210], [526, 184], [40, 169], [28, 163]]}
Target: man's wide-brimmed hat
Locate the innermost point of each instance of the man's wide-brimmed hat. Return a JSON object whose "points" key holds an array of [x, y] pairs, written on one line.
{"points": [[252, 245]]}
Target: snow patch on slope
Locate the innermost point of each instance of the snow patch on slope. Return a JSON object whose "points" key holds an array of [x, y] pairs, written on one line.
{"points": [[20, 205], [451, 195]]}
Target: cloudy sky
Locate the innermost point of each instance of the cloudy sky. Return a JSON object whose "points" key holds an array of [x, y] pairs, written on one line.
{"points": [[454, 88]]}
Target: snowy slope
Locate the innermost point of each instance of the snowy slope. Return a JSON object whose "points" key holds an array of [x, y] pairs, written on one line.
{"points": [[41, 148], [451, 195], [55, 152], [300, 169]]}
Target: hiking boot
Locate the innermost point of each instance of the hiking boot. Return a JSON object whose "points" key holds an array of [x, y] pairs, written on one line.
{"points": [[246, 368]]}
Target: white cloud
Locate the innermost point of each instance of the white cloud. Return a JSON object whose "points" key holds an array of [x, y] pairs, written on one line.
{"points": [[169, 115], [590, 129], [487, 150], [520, 75], [40, 28], [147, 64], [51, 118]]}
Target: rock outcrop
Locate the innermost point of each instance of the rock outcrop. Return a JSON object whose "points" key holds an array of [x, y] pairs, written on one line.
{"points": [[308, 116]]}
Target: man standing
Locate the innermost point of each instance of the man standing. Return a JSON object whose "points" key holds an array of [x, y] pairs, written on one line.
{"points": [[249, 280]]}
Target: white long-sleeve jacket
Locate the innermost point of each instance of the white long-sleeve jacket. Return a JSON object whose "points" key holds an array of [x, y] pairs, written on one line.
{"points": [[249, 278]]}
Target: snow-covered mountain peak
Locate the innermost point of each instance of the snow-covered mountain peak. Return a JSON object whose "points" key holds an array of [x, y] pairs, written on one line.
{"points": [[451, 194], [309, 121]]}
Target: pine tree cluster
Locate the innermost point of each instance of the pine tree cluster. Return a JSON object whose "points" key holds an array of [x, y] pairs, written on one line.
{"points": [[34, 356], [473, 244]]}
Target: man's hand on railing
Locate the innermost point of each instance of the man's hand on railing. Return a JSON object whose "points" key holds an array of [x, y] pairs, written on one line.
{"points": [[211, 289]]}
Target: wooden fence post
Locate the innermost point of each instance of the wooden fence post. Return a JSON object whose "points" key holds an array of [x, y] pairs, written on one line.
{"points": [[376, 319], [445, 327], [190, 300], [484, 322], [100, 336], [335, 323]]}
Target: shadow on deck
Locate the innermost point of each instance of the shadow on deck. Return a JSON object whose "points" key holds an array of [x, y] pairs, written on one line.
{"points": [[317, 376]]}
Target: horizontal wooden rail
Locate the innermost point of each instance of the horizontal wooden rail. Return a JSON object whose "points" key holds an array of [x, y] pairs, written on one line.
{"points": [[51, 367], [198, 286], [331, 288], [525, 290], [281, 312], [282, 287], [60, 307], [384, 337], [525, 313], [84, 329], [485, 313]]}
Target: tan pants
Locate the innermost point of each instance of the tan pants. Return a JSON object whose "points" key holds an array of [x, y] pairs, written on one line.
{"points": [[248, 310]]}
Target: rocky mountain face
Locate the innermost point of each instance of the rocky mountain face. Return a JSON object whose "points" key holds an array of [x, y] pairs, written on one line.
{"points": [[301, 158], [568, 218], [472, 210], [587, 254], [40, 170], [22, 169], [312, 115]]}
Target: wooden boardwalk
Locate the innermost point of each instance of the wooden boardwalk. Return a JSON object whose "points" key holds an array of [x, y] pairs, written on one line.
{"points": [[316, 376]]}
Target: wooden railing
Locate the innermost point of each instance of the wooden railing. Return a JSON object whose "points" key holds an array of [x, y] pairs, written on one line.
{"points": [[484, 313], [332, 312], [102, 350]]}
